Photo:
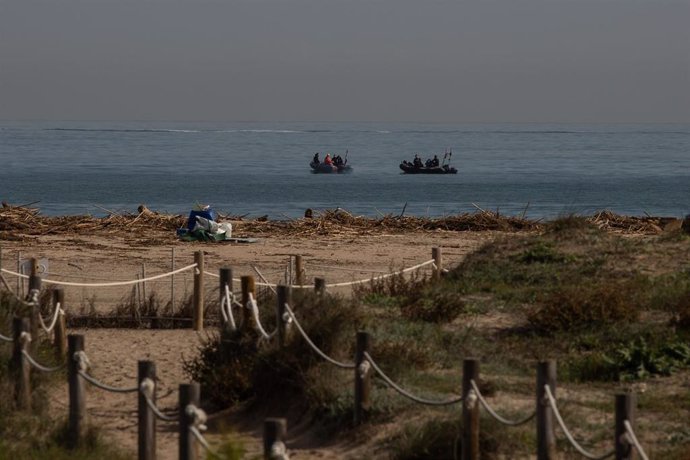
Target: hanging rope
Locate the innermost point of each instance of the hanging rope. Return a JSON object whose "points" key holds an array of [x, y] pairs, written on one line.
{"points": [[58, 311], [567, 433], [83, 364], [146, 389], [278, 451], [288, 310], [114, 283], [271, 286], [251, 304], [376, 278], [405, 393], [488, 408], [39, 366], [633, 439], [226, 307]]}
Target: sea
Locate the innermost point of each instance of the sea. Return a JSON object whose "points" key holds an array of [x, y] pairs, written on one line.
{"points": [[253, 169]]}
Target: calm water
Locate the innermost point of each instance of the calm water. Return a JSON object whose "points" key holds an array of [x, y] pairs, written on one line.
{"points": [[262, 168]]}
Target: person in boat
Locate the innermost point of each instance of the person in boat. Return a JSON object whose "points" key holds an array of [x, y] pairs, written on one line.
{"points": [[434, 162], [429, 163], [417, 162], [327, 160], [337, 160], [316, 158]]}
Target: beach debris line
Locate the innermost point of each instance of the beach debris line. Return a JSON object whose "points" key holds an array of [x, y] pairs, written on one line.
{"points": [[18, 222]]}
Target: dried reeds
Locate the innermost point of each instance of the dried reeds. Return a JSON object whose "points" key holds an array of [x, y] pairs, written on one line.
{"points": [[20, 221]]}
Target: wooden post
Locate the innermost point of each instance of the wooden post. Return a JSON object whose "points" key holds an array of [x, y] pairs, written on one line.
{"points": [[275, 430], [189, 394], [320, 286], [147, 419], [546, 437], [625, 410], [60, 334], [20, 366], [34, 289], [299, 269], [198, 318], [470, 413], [247, 288], [362, 379], [284, 294], [437, 255], [225, 280], [77, 393]]}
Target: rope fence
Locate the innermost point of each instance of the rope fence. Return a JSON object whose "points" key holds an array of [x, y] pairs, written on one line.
{"points": [[195, 418], [191, 418], [265, 282], [114, 283]]}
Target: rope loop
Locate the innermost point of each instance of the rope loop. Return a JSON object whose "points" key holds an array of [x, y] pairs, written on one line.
{"points": [[279, 451], [32, 297], [24, 339], [363, 368], [82, 360], [198, 416], [471, 400], [147, 386]]}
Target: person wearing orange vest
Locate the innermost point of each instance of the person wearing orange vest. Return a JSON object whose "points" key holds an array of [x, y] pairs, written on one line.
{"points": [[328, 160]]}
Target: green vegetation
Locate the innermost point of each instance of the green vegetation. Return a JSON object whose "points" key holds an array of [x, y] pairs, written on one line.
{"points": [[612, 309], [35, 434]]}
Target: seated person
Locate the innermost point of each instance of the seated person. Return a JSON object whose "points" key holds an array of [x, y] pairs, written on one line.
{"points": [[417, 162], [434, 162], [316, 158], [328, 160]]}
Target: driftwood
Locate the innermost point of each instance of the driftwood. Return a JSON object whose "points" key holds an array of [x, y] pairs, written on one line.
{"points": [[20, 221]]}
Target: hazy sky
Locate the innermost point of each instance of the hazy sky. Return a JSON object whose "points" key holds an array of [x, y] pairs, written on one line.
{"points": [[346, 60]]}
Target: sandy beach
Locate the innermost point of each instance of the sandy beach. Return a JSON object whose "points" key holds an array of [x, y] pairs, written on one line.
{"points": [[114, 352]]}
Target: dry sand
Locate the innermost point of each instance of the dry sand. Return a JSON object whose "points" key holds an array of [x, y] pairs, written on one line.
{"points": [[114, 352]]}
